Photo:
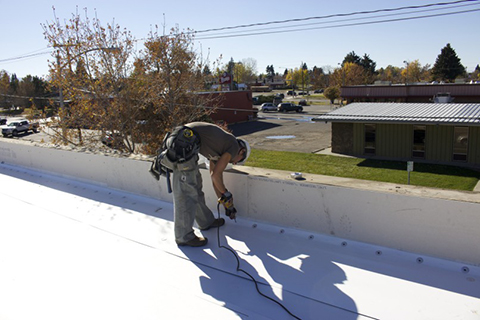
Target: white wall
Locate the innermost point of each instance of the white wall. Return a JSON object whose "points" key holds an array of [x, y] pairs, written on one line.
{"points": [[436, 227]]}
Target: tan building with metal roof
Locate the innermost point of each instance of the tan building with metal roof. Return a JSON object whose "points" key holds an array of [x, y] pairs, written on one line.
{"points": [[446, 133]]}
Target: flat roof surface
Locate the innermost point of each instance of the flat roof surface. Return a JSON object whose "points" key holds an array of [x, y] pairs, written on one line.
{"points": [[75, 250]]}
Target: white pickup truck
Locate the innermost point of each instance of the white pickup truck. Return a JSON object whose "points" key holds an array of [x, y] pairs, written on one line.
{"points": [[16, 126]]}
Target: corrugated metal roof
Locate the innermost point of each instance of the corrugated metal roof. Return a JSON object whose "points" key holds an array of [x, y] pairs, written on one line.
{"points": [[446, 113]]}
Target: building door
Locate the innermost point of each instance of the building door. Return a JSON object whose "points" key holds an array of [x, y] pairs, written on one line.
{"points": [[419, 133], [370, 138]]}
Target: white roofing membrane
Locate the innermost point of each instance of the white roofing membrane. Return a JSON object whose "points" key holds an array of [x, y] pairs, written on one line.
{"points": [[74, 250]]}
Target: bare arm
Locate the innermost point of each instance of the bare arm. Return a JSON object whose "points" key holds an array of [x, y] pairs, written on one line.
{"points": [[216, 173]]}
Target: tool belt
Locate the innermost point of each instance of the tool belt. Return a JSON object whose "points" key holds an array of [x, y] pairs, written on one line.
{"points": [[179, 151]]}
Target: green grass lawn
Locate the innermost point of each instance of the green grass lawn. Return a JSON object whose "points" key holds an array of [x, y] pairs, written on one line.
{"points": [[428, 175]]}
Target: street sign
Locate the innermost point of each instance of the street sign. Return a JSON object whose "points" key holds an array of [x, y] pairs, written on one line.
{"points": [[409, 166], [409, 169]]}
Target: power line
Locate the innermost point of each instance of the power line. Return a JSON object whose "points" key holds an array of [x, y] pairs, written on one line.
{"points": [[443, 5], [233, 35], [25, 56], [349, 19], [334, 16]]}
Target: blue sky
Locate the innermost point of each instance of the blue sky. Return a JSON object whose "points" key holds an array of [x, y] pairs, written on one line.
{"points": [[386, 43]]}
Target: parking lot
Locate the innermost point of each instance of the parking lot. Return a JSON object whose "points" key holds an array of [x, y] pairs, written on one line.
{"points": [[289, 131], [285, 133]]}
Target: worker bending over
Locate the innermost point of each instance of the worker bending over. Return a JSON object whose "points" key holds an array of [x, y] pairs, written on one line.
{"points": [[220, 148]]}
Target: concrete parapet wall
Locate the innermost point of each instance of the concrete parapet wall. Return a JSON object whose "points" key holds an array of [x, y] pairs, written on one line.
{"points": [[112, 171], [439, 227]]}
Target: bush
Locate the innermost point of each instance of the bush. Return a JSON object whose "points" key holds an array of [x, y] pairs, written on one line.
{"points": [[263, 99], [332, 93]]}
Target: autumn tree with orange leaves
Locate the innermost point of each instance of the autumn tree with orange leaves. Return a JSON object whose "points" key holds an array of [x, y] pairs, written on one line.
{"points": [[104, 90]]}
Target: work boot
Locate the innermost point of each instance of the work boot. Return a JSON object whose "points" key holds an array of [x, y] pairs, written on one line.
{"points": [[195, 242], [215, 224]]}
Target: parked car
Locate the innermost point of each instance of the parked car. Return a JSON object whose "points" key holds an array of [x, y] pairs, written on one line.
{"points": [[268, 106], [303, 93], [318, 91], [285, 107], [303, 102], [16, 126], [291, 93]]}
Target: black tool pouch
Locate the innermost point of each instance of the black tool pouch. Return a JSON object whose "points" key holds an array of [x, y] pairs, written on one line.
{"points": [[179, 150]]}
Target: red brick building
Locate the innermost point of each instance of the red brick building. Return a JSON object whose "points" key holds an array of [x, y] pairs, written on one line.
{"points": [[235, 106], [461, 93]]}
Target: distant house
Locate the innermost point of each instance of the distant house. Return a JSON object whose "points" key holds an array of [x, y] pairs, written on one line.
{"points": [[271, 83], [431, 132]]}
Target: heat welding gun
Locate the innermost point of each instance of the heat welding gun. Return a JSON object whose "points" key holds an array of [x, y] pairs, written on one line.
{"points": [[227, 200]]}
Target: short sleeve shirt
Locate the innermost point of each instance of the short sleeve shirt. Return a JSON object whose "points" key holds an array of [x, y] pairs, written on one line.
{"points": [[214, 141]]}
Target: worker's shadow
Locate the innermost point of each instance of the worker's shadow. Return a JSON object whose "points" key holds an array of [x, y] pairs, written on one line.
{"points": [[302, 283]]}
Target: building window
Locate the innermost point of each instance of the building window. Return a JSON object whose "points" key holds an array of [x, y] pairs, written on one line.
{"points": [[419, 133], [369, 139], [460, 143]]}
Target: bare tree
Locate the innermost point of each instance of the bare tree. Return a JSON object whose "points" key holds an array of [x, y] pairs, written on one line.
{"points": [[89, 71], [168, 81], [103, 89]]}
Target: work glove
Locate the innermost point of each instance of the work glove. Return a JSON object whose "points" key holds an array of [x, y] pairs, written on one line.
{"points": [[231, 213], [227, 200]]}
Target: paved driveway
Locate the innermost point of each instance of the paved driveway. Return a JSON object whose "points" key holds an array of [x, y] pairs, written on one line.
{"points": [[287, 131]]}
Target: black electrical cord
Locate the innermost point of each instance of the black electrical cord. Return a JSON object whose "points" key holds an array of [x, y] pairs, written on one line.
{"points": [[245, 272]]}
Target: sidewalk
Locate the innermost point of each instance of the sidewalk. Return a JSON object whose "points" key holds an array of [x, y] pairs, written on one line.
{"points": [[73, 250]]}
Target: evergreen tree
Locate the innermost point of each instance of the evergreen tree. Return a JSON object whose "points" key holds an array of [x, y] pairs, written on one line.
{"points": [[14, 82], [270, 71], [365, 62], [476, 73], [447, 67], [351, 57], [230, 66], [368, 64]]}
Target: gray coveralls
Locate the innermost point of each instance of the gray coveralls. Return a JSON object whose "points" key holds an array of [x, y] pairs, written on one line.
{"points": [[188, 197], [189, 200]]}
